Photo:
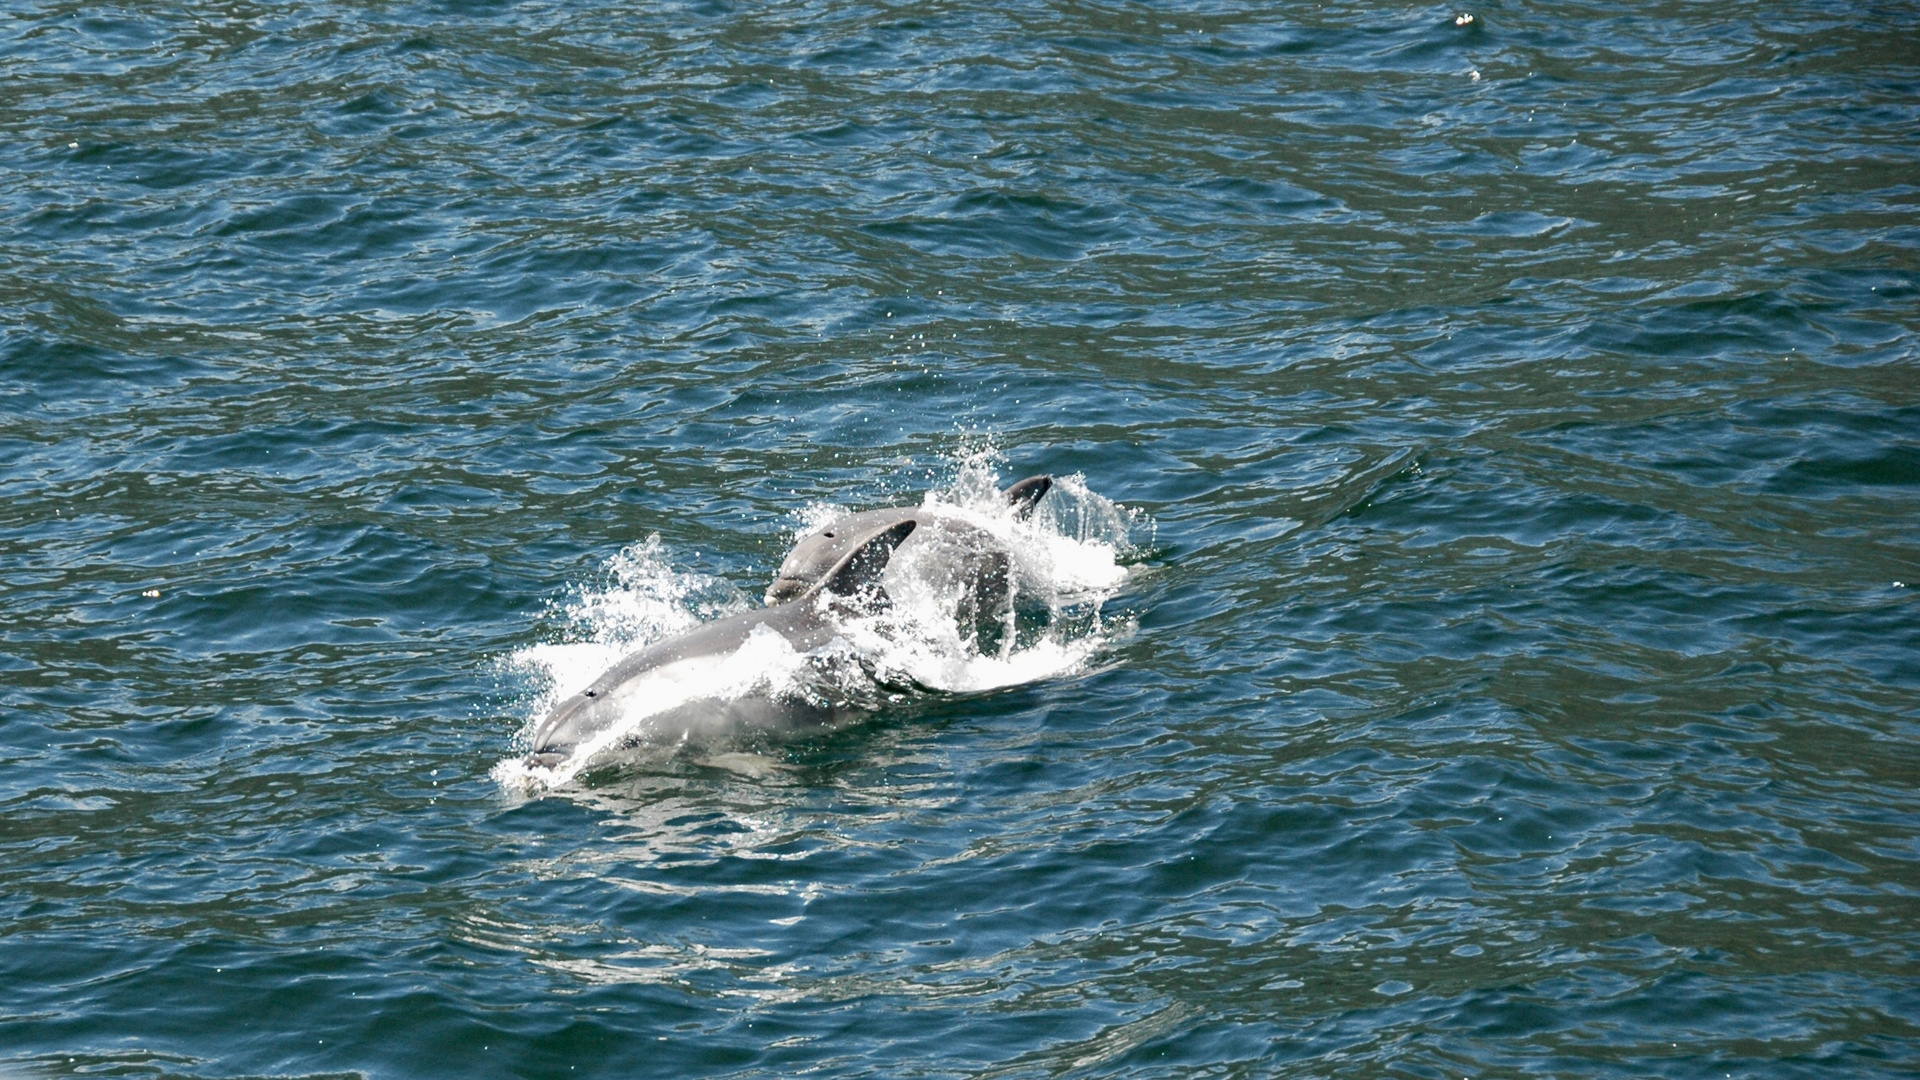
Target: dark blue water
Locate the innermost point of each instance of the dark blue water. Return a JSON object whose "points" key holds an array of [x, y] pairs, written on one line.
{"points": [[1524, 672]]}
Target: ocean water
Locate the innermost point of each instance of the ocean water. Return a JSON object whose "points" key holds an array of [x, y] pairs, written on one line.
{"points": [[1512, 667]]}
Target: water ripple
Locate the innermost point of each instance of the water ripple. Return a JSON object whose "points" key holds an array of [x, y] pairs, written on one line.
{"points": [[1521, 677]]}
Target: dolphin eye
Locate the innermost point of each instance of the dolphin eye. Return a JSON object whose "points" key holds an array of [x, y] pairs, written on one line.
{"points": [[828, 534], [591, 693]]}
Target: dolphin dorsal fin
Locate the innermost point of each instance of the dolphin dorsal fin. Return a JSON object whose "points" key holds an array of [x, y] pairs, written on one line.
{"points": [[862, 565], [1024, 494]]}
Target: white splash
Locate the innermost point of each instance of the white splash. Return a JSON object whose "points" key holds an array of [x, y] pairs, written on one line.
{"points": [[1065, 561]]}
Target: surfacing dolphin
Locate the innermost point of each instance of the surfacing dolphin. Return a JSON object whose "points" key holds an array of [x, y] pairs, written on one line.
{"points": [[968, 565], [976, 556], [807, 621]]}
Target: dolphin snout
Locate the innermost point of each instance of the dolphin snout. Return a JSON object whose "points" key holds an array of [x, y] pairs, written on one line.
{"points": [[784, 589], [570, 723]]}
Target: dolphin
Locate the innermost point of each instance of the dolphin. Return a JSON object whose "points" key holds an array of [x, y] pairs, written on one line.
{"points": [[807, 621], [974, 553]]}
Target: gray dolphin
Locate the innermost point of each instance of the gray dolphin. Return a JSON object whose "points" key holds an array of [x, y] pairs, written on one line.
{"points": [[807, 621], [970, 552]]}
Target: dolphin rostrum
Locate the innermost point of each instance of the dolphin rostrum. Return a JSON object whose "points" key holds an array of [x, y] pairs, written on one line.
{"points": [[806, 620]]}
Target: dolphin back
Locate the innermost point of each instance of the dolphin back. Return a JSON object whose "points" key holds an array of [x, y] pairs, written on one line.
{"points": [[806, 622], [819, 551]]}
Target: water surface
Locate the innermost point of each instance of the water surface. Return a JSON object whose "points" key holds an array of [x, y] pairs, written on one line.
{"points": [[1521, 676]]}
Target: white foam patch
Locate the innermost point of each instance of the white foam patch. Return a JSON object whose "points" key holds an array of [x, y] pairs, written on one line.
{"points": [[643, 599], [815, 516], [1064, 561], [1071, 544]]}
